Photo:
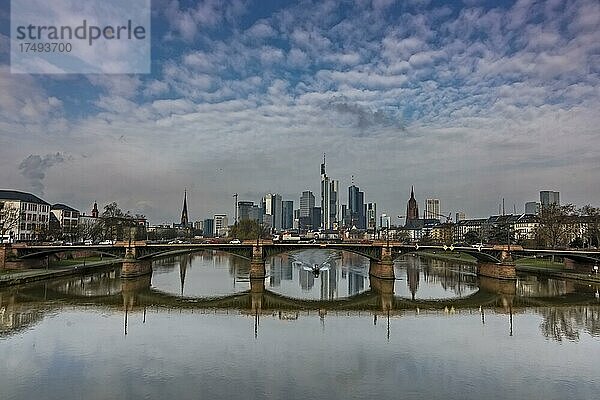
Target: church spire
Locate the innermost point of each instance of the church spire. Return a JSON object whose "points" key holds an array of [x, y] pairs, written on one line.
{"points": [[184, 212]]}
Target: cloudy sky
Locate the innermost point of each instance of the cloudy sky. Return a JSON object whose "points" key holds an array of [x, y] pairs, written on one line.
{"points": [[470, 102]]}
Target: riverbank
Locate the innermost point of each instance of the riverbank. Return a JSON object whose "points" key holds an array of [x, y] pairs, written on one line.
{"points": [[537, 266], [18, 277]]}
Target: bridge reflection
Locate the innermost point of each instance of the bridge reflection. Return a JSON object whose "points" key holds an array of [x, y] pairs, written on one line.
{"points": [[567, 307]]}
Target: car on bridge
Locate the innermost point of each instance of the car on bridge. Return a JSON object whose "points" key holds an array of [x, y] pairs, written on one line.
{"points": [[235, 241]]}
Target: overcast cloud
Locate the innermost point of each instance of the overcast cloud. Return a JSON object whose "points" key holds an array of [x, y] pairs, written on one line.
{"points": [[470, 104]]}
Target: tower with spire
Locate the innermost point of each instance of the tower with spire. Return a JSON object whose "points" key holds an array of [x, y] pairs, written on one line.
{"points": [[412, 208], [184, 213], [95, 212]]}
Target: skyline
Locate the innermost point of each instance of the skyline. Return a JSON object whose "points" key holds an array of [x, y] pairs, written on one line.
{"points": [[467, 101]]}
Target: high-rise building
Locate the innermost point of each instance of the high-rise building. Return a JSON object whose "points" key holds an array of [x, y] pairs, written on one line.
{"points": [[432, 208], [208, 227], [315, 218], [548, 197], [287, 207], [329, 200], [244, 210], [307, 203], [185, 221], [532, 207], [356, 207], [221, 224], [273, 207], [460, 216], [372, 216], [385, 221], [412, 208]]}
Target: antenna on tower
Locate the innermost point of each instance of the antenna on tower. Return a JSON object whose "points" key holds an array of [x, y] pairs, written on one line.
{"points": [[352, 180]]}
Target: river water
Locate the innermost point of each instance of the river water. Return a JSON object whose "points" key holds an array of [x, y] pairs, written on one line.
{"points": [[317, 327]]}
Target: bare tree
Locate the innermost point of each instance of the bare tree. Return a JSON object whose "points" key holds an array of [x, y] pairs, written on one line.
{"points": [[556, 225], [9, 218], [591, 215]]}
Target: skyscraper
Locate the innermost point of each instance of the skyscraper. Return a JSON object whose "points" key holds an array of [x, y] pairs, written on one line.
{"points": [[412, 208], [329, 200], [548, 197], [221, 223], [273, 207], [244, 210], [307, 202], [356, 207], [184, 212], [287, 207], [371, 216], [432, 209]]}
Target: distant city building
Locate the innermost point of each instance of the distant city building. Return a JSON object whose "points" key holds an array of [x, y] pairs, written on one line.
{"points": [[315, 217], [329, 200], [548, 197], [221, 224], [67, 218], [287, 207], [245, 210], [199, 225], [307, 202], [460, 216], [356, 208], [208, 227], [412, 208], [385, 221], [272, 205], [532, 208], [432, 208], [23, 216], [372, 216]]}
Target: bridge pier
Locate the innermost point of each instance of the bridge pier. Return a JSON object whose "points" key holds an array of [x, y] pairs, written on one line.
{"points": [[502, 270], [4, 251], [257, 289], [131, 287], [132, 267]]}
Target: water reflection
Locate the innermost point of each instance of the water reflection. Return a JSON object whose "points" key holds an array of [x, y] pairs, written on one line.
{"points": [[217, 281]]}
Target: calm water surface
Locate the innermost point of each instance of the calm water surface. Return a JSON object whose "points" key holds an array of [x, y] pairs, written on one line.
{"points": [[195, 330]]}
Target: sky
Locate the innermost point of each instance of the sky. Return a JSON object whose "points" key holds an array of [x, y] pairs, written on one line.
{"points": [[469, 101]]}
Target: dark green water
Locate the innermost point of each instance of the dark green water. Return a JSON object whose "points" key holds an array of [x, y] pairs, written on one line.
{"points": [[194, 330]]}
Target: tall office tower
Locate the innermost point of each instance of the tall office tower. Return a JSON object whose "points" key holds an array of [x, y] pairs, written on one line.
{"points": [[208, 227], [460, 216], [256, 214], [356, 207], [334, 203], [385, 221], [412, 208], [432, 209], [287, 208], [184, 213], [315, 217], [273, 207], [221, 224], [325, 197], [548, 197], [307, 202], [532, 207], [296, 219], [244, 210], [371, 216]]}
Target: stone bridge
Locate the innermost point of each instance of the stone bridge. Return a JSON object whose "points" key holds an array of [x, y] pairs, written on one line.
{"points": [[493, 261]]}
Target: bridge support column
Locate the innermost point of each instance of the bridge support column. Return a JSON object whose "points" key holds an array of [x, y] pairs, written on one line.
{"points": [[257, 289], [132, 268], [382, 269], [503, 270], [257, 264]]}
